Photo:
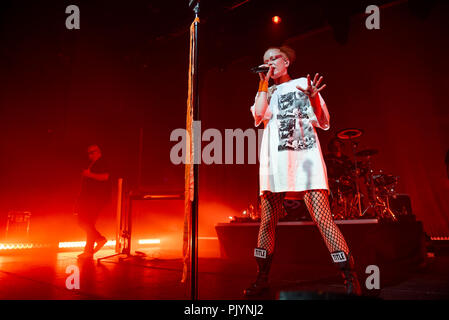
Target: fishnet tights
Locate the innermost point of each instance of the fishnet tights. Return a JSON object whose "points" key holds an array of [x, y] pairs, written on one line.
{"points": [[318, 206], [317, 203], [272, 208]]}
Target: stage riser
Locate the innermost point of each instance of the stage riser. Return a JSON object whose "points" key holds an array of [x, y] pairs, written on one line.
{"points": [[371, 244]]}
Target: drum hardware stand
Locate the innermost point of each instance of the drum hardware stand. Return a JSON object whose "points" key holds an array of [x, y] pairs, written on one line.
{"points": [[355, 206], [376, 202], [350, 134], [381, 205], [336, 206], [372, 200], [359, 201], [387, 208]]}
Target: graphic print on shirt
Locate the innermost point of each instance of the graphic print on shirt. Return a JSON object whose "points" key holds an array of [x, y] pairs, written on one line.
{"points": [[295, 131]]}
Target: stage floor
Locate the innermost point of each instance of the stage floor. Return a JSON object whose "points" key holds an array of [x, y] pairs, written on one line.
{"points": [[43, 276]]}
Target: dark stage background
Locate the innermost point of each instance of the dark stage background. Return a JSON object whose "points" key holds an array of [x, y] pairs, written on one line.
{"points": [[126, 69]]}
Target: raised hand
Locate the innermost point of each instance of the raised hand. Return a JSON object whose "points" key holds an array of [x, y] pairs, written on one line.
{"points": [[312, 87]]}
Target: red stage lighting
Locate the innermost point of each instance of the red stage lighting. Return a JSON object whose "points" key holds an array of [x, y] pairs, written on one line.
{"points": [[276, 19]]}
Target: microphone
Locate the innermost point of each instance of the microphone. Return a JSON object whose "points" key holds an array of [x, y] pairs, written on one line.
{"points": [[260, 69]]}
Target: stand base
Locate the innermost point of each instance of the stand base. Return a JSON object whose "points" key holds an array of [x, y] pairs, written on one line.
{"points": [[127, 256]]}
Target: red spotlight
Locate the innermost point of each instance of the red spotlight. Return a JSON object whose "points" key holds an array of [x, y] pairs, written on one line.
{"points": [[276, 19]]}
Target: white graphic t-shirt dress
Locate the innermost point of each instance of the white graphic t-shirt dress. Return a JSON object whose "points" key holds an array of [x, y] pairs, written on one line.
{"points": [[290, 155]]}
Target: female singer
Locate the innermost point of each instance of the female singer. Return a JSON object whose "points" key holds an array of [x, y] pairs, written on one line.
{"points": [[291, 162]]}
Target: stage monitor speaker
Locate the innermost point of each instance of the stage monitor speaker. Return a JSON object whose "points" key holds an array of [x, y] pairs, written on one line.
{"points": [[401, 204]]}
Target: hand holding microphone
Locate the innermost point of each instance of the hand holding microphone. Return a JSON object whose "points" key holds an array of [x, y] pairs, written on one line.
{"points": [[262, 68], [264, 78]]}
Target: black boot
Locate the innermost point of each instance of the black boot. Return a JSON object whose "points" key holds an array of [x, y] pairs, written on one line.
{"points": [[346, 265], [263, 269]]}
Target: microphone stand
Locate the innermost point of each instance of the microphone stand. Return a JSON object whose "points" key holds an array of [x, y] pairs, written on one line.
{"points": [[194, 222]]}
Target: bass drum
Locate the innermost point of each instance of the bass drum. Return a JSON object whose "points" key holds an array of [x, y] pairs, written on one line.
{"points": [[296, 211]]}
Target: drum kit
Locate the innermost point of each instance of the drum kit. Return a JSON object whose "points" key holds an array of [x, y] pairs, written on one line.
{"points": [[358, 191]]}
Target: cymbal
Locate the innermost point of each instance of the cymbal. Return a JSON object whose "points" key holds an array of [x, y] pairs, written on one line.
{"points": [[348, 134], [367, 153]]}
